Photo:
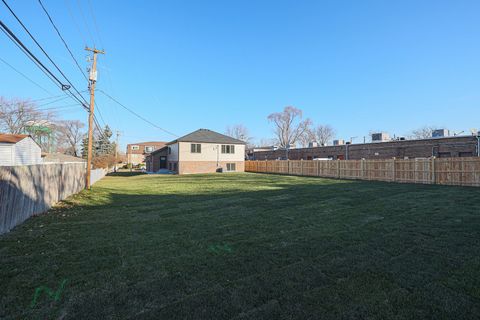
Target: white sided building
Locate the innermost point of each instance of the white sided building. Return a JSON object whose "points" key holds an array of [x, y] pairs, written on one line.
{"points": [[19, 150], [203, 151]]}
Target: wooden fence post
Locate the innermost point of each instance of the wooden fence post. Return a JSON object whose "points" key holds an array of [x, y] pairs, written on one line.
{"points": [[432, 171], [362, 169], [394, 173], [338, 168]]}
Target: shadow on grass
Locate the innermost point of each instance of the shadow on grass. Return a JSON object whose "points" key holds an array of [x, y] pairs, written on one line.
{"points": [[250, 247], [126, 173]]}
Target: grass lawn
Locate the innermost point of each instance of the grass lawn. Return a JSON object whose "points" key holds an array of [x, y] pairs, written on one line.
{"points": [[247, 246]]}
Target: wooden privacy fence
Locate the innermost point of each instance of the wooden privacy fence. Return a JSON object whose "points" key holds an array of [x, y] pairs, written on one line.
{"points": [[445, 171], [30, 190]]}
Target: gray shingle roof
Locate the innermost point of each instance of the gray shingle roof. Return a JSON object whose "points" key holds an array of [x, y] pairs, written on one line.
{"points": [[207, 136]]}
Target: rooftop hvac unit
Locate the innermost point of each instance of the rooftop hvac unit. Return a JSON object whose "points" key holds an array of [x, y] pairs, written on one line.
{"points": [[380, 137], [440, 133], [339, 142]]}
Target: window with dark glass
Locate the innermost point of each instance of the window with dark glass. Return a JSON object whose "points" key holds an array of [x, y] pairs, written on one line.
{"points": [[195, 148], [228, 148]]}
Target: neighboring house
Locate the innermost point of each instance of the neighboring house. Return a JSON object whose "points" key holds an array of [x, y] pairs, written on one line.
{"points": [[19, 149], [136, 152], [157, 160], [202, 151], [61, 158]]}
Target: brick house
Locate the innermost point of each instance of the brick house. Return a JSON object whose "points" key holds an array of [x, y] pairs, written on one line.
{"points": [[202, 151], [136, 152]]}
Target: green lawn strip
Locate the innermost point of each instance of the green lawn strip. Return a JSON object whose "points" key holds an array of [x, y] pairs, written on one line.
{"points": [[247, 246]]}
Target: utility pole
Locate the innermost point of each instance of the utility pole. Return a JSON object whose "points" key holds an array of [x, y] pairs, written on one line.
{"points": [[93, 80], [116, 151]]}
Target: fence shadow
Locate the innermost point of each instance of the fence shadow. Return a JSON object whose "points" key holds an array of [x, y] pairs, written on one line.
{"points": [[125, 174], [31, 190]]}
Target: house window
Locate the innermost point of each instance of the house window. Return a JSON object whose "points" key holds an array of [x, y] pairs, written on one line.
{"points": [[148, 149], [175, 166], [169, 150], [196, 148], [135, 147], [228, 148], [231, 167]]}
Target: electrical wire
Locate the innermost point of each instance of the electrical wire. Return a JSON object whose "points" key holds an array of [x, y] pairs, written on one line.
{"points": [[50, 102], [136, 114], [82, 35], [64, 87], [52, 97], [25, 76], [63, 40], [30, 55], [85, 22], [69, 106], [95, 22]]}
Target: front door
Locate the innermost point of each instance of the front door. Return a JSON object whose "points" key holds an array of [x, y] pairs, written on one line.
{"points": [[163, 162]]}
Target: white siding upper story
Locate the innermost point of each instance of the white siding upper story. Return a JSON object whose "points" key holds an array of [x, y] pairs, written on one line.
{"points": [[209, 152], [24, 152]]}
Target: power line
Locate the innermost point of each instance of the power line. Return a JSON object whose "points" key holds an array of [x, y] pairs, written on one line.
{"points": [[23, 75], [63, 40], [52, 97], [30, 55], [95, 22], [85, 22], [36, 61], [136, 114], [50, 102], [75, 22], [68, 106], [100, 114], [43, 50]]}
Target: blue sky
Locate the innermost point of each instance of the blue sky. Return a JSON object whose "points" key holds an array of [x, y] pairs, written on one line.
{"points": [[355, 65]]}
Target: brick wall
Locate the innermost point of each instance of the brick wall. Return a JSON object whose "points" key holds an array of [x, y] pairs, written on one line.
{"points": [[189, 167], [439, 147]]}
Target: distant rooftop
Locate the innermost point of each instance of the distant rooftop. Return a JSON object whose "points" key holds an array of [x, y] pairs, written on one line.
{"points": [[60, 158]]}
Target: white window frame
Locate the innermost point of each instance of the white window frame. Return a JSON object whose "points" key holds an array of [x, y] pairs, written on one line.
{"points": [[135, 147], [229, 167]]}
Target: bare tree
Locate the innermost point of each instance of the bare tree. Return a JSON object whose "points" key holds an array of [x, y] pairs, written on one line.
{"points": [[239, 132], [306, 138], [423, 133], [17, 115], [69, 136], [264, 142], [289, 126], [323, 134]]}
